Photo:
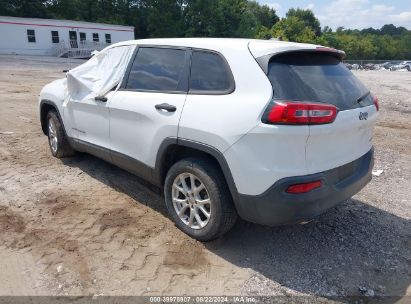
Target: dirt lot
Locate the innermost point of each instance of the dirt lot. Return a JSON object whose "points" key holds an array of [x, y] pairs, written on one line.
{"points": [[80, 226]]}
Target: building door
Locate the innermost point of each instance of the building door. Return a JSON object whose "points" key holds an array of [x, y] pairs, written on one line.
{"points": [[73, 39]]}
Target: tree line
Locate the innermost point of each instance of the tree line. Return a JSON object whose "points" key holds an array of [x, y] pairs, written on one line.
{"points": [[220, 18]]}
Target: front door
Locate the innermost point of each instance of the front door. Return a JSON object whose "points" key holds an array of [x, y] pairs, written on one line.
{"points": [[93, 86], [90, 122], [73, 39], [147, 107]]}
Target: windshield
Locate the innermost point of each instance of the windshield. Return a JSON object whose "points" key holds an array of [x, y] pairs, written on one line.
{"points": [[318, 77]]}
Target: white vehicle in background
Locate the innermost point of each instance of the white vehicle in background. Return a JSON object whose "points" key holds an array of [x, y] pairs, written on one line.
{"points": [[405, 65], [275, 132]]}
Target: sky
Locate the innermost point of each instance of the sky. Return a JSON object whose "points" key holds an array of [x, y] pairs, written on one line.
{"points": [[353, 14]]}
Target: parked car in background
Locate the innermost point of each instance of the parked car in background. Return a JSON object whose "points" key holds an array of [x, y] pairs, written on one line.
{"points": [[348, 65], [356, 66], [275, 132], [386, 65], [369, 66], [405, 65]]}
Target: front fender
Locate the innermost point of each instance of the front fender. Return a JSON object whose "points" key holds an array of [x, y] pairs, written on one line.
{"points": [[54, 91], [52, 97]]}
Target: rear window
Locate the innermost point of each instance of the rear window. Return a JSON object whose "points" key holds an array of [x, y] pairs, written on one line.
{"points": [[317, 77]]}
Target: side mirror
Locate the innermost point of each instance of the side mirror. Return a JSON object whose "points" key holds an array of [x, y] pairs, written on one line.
{"points": [[100, 98]]}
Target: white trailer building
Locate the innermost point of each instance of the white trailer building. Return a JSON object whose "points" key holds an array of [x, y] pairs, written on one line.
{"points": [[31, 36]]}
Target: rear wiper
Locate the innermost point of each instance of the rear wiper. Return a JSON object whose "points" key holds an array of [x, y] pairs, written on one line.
{"points": [[362, 97]]}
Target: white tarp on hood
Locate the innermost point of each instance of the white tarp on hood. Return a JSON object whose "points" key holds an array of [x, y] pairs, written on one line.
{"points": [[98, 75]]}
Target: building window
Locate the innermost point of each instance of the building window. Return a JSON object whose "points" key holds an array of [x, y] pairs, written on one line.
{"points": [[55, 37], [31, 36], [108, 38], [95, 37], [82, 37]]}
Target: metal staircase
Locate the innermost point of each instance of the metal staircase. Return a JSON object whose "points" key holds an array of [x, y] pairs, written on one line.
{"points": [[75, 49]]}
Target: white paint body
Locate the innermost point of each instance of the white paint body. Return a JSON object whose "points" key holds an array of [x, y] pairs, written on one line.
{"points": [[13, 31], [257, 154]]}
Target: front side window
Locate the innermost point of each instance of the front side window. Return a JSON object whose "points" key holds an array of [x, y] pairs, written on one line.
{"points": [[82, 37], [209, 73], [108, 38], [95, 37], [157, 69], [31, 36], [55, 37]]}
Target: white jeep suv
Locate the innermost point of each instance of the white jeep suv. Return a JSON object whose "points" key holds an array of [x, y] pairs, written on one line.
{"points": [[275, 132]]}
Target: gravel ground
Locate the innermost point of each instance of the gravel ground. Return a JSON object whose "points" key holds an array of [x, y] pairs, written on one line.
{"points": [[80, 226]]}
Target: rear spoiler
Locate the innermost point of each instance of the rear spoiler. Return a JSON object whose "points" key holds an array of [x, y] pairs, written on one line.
{"points": [[264, 60]]}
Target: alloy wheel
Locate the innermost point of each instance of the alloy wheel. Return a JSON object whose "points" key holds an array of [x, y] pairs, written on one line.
{"points": [[53, 136], [191, 200]]}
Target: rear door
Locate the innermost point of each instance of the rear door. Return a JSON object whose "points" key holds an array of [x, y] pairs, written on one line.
{"points": [[322, 77], [147, 107]]}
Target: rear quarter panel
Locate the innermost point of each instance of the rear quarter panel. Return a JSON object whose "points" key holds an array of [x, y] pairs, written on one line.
{"points": [[266, 154], [221, 120]]}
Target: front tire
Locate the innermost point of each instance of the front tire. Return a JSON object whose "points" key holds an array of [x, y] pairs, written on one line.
{"points": [[59, 145], [198, 200]]}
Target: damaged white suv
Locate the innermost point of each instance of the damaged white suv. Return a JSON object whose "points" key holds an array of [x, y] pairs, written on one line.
{"points": [[272, 131]]}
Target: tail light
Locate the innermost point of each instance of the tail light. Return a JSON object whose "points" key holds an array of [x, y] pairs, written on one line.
{"points": [[299, 113], [376, 103], [303, 188]]}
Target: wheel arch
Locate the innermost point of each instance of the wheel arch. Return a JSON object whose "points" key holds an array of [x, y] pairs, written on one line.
{"points": [[45, 107], [173, 150]]}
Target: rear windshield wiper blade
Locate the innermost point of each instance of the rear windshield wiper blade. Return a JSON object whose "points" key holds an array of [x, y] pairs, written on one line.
{"points": [[362, 97]]}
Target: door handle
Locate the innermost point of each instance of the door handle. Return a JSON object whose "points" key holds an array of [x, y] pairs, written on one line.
{"points": [[101, 98], [165, 106]]}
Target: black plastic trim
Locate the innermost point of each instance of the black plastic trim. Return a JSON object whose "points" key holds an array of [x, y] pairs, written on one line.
{"points": [[53, 104], [154, 175], [161, 158], [162, 153], [220, 159], [277, 207], [83, 146], [125, 162], [133, 166]]}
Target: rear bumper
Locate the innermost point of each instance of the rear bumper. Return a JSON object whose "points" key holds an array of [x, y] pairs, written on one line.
{"points": [[276, 207]]}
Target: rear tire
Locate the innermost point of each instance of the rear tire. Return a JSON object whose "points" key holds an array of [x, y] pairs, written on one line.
{"points": [[183, 195], [59, 145]]}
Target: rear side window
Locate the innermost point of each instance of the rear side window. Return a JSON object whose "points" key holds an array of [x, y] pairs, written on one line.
{"points": [[317, 77], [157, 69], [210, 74]]}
